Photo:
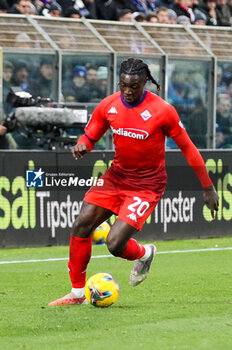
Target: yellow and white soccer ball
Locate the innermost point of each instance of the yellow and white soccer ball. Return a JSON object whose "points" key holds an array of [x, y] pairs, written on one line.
{"points": [[101, 233], [101, 290]]}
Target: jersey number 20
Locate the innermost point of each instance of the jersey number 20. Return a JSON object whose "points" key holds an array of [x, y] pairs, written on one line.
{"points": [[139, 206]]}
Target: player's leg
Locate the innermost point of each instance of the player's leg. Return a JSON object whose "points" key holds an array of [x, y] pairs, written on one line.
{"points": [[120, 243], [136, 208], [90, 217]]}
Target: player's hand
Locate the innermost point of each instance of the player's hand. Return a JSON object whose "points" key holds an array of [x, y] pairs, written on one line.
{"points": [[3, 130], [79, 150], [211, 199]]}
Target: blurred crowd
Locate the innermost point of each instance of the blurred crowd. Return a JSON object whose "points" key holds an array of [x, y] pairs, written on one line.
{"points": [[197, 12], [82, 83], [224, 106], [87, 80], [19, 73], [188, 93], [86, 84]]}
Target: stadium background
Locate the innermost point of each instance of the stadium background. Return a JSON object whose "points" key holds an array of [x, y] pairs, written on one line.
{"points": [[194, 66], [186, 301]]}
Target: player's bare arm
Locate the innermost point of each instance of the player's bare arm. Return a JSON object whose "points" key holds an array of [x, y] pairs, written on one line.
{"points": [[79, 150], [195, 160]]}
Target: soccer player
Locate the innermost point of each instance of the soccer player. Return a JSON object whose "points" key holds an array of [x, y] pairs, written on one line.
{"points": [[136, 180]]}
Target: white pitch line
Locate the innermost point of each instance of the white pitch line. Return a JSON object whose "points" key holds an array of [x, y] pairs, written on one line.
{"points": [[50, 259], [111, 256], [194, 250]]}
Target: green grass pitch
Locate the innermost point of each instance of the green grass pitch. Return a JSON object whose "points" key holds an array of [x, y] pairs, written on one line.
{"points": [[185, 303]]}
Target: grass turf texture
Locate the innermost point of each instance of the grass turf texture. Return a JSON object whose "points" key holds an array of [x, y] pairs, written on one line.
{"points": [[185, 303]]}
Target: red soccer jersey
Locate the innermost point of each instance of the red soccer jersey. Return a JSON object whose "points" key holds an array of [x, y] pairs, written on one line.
{"points": [[139, 136]]}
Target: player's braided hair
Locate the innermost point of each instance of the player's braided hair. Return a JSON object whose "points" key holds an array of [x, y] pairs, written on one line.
{"points": [[137, 66]]}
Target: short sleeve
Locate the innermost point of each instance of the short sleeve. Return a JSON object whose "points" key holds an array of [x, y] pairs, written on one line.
{"points": [[98, 124], [172, 123]]}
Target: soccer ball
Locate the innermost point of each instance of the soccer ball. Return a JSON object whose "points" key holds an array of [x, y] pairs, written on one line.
{"points": [[101, 290], [101, 233]]}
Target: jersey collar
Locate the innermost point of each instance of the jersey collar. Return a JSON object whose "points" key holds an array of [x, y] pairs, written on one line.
{"points": [[137, 103]]}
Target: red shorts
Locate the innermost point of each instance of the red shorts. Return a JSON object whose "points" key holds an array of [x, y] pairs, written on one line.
{"points": [[132, 205]]}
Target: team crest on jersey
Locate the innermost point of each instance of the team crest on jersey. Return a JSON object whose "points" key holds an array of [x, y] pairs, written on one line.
{"points": [[146, 115], [113, 110]]}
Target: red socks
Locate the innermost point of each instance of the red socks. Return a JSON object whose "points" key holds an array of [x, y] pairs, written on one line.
{"points": [[133, 250], [79, 256], [80, 253]]}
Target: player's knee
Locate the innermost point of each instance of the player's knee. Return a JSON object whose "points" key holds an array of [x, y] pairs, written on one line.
{"points": [[114, 246], [83, 226], [85, 223]]}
